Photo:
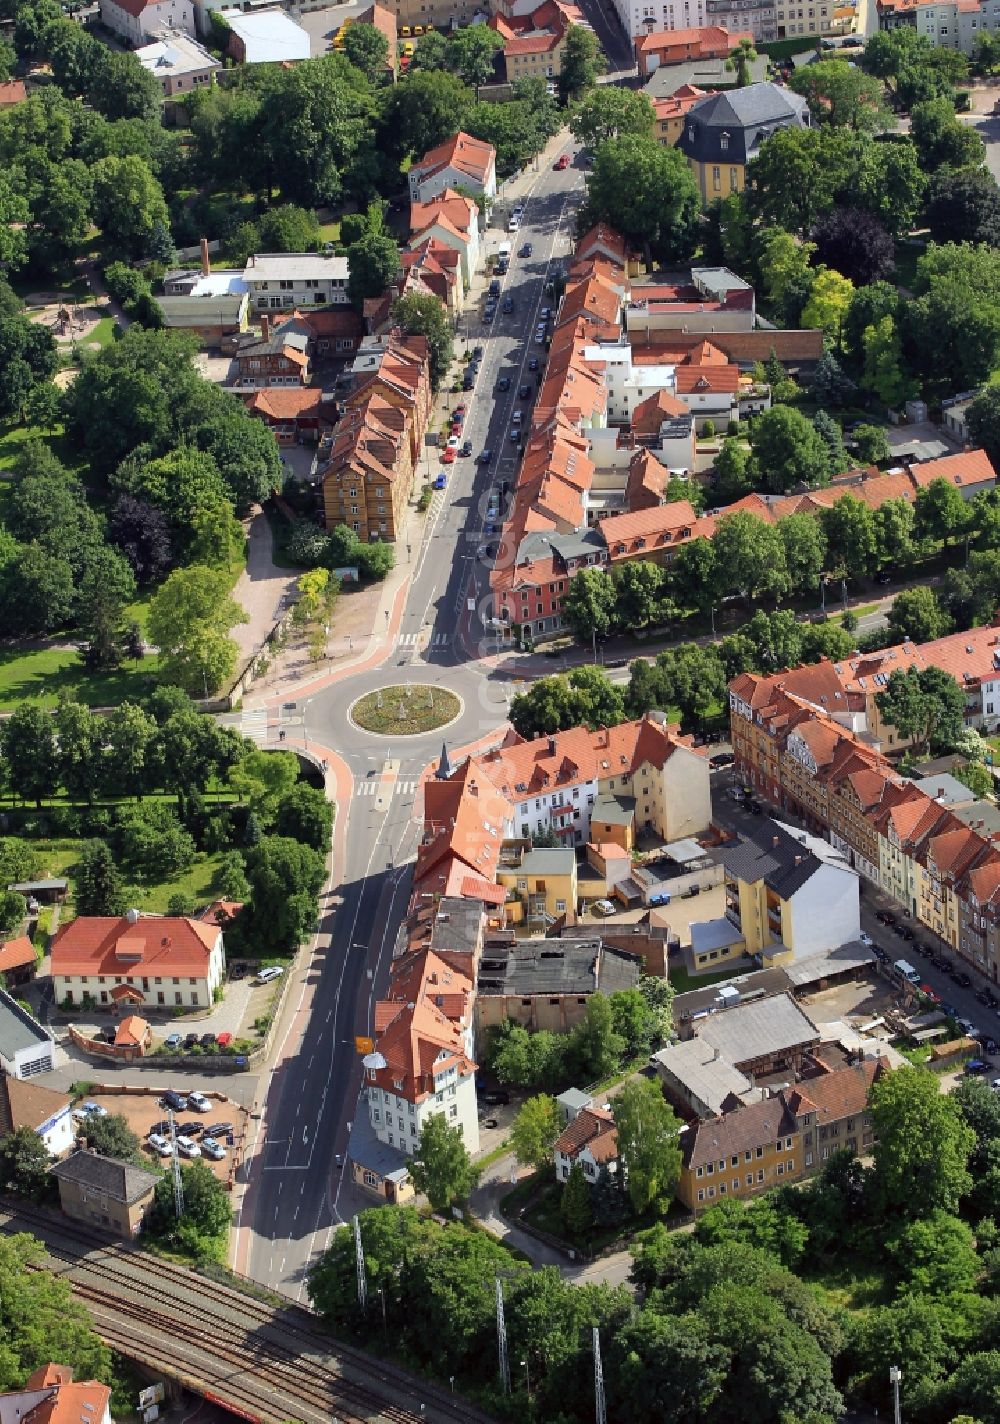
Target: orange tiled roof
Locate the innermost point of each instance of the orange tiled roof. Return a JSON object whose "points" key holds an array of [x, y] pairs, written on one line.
{"points": [[150, 944], [17, 953], [133, 1032], [469, 155], [594, 1129]]}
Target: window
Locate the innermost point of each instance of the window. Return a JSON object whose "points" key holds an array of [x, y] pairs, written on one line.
{"points": [[760, 1175], [736, 1184], [716, 179], [177, 998], [749, 1179], [809, 1159], [724, 141], [699, 1172], [701, 1195], [760, 1151]]}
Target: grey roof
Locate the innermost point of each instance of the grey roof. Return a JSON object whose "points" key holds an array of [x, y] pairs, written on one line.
{"points": [[18, 1030], [27, 886], [295, 266], [702, 1072], [981, 816], [549, 860], [278, 338], [685, 851], [364, 1148], [616, 810], [567, 546], [767, 851], [202, 311], [120, 1180], [945, 788], [574, 1100], [457, 925], [761, 981], [828, 964], [741, 119], [713, 934], [718, 280], [702, 73], [557, 966], [758, 1029]]}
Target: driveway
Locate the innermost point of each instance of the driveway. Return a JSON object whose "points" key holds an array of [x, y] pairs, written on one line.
{"points": [[262, 590]]}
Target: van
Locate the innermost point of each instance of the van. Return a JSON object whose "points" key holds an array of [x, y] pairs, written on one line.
{"points": [[503, 252], [906, 971]]}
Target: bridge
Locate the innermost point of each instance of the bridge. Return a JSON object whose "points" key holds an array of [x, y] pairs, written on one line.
{"points": [[264, 1362]]}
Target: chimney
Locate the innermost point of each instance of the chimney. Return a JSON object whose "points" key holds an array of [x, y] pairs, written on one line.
{"points": [[798, 860], [775, 841], [552, 746], [206, 266], [265, 327], [941, 791]]}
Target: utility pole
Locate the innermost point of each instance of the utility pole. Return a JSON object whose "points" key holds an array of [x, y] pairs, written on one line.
{"points": [[501, 1340], [601, 1412], [895, 1375], [359, 1252], [175, 1167]]}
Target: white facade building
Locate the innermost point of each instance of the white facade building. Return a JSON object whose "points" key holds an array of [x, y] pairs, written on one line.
{"points": [[26, 1048], [163, 961], [283, 280], [138, 21]]}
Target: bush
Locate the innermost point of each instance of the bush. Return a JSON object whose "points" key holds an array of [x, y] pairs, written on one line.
{"points": [[708, 430]]}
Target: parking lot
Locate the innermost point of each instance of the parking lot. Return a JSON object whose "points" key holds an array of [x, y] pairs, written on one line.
{"points": [[143, 1111]]}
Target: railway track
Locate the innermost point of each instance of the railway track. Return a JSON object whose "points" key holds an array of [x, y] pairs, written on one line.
{"points": [[270, 1363]]}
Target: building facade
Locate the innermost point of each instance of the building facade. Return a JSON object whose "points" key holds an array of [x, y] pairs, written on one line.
{"points": [[280, 281], [724, 133], [159, 960], [138, 21], [26, 1048], [103, 1192]]}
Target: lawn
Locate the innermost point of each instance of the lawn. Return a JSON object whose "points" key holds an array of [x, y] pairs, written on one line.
{"points": [[46, 672], [908, 255], [197, 884], [849, 1284], [330, 231], [103, 333], [405, 711], [13, 439], [682, 982], [281, 532]]}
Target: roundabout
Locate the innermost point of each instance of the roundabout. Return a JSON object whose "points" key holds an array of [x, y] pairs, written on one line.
{"points": [[406, 710]]}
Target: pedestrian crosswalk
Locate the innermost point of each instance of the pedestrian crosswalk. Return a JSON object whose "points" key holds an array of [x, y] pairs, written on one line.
{"points": [[378, 788], [412, 640]]}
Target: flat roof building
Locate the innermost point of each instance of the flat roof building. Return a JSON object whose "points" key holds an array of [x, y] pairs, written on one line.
{"points": [[178, 62]]}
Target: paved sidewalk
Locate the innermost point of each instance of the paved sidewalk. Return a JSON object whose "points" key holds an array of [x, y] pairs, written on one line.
{"points": [[261, 590]]}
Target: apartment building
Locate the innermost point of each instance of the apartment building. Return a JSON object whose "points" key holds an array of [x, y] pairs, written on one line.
{"points": [[132, 959], [139, 21], [423, 1064], [460, 162], [279, 281], [953, 24], [450, 219], [534, 42], [757, 16], [179, 63], [47, 1113], [278, 357], [545, 984]]}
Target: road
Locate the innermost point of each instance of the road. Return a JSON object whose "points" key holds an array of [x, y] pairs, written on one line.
{"points": [[297, 1193]]}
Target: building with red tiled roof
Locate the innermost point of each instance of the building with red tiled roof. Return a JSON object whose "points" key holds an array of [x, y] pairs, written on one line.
{"points": [[164, 961], [44, 1111], [18, 960], [50, 1396], [460, 162], [591, 1140], [12, 92], [449, 219], [293, 413], [534, 42], [662, 48]]}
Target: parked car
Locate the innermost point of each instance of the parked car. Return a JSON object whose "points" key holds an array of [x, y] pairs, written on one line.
{"points": [[721, 759], [106, 1034], [532, 363], [544, 314], [494, 287], [661, 897], [187, 1147], [562, 162], [199, 1102], [495, 1097], [484, 457], [977, 1065], [273, 971], [466, 448], [207, 1040], [190, 1040], [93, 1109], [218, 1129], [990, 1045], [160, 1127], [488, 316], [225, 1039], [539, 335], [440, 480], [526, 250], [880, 954], [932, 994], [172, 1040], [237, 971], [968, 1028], [964, 980], [159, 1144], [884, 918], [524, 392], [507, 305], [213, 1148], [188, 1129], [603, 907], [177, 1102]]}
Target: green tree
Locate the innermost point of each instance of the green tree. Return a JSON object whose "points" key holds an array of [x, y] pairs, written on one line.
{"points": [[608, 112], [916, 615], [788, 450], [373, 263], [871, 445], [639, 593], [940, 139], [827, 427], [805, 550], [734, 474], [596, 1042], [29, 752], [797, 174], [983, 420], [849, 526], [749, 555], [534, 1131], [423, 110], [830, 386], [648, 1143], [575, 1205], [761, 1224], [922, 1145], [152, 842], [741, 58], [128, 203], [582, 62], [264, 779], [890, 184], [963, 206], [99, 889], [425, 316], [440, 1168], [24, 1167], [202, 1229], [883, 372], [19, 860], [471, 53], [828, 304], [589, 604], [13, 909], [941, 512], [189, 621], [785, 271], [111, 1136], [894, 525], [669, 1360], [935, 1256], [930, 703], [306, 815], [368, 50], [40, 1319], [231, 880], [637, 1021], [285, 877], [840, 94], [648, 193]]}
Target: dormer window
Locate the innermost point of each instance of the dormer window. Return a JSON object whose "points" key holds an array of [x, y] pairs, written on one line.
{"points": [[724, 141], [691, 133]]}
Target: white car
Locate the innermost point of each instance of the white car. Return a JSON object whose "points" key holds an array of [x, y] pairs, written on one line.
{"points": [[159, 1144], [454, 441], [199, 1102], [968, 1028], [514, 224], [187, 1147], [603, 907], [866, 938], [212, 1147], [273, 971]]}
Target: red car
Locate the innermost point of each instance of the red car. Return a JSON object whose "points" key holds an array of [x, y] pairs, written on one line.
{"points": [[562, 162], [932, 994], [448, 456]]}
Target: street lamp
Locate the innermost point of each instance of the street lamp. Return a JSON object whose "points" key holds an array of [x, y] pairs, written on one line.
{"points": [[895, 1375], [822, 593], [527, 1378]]}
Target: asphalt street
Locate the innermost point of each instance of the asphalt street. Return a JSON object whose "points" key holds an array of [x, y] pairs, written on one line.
{"points": [[300, 1193]]}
